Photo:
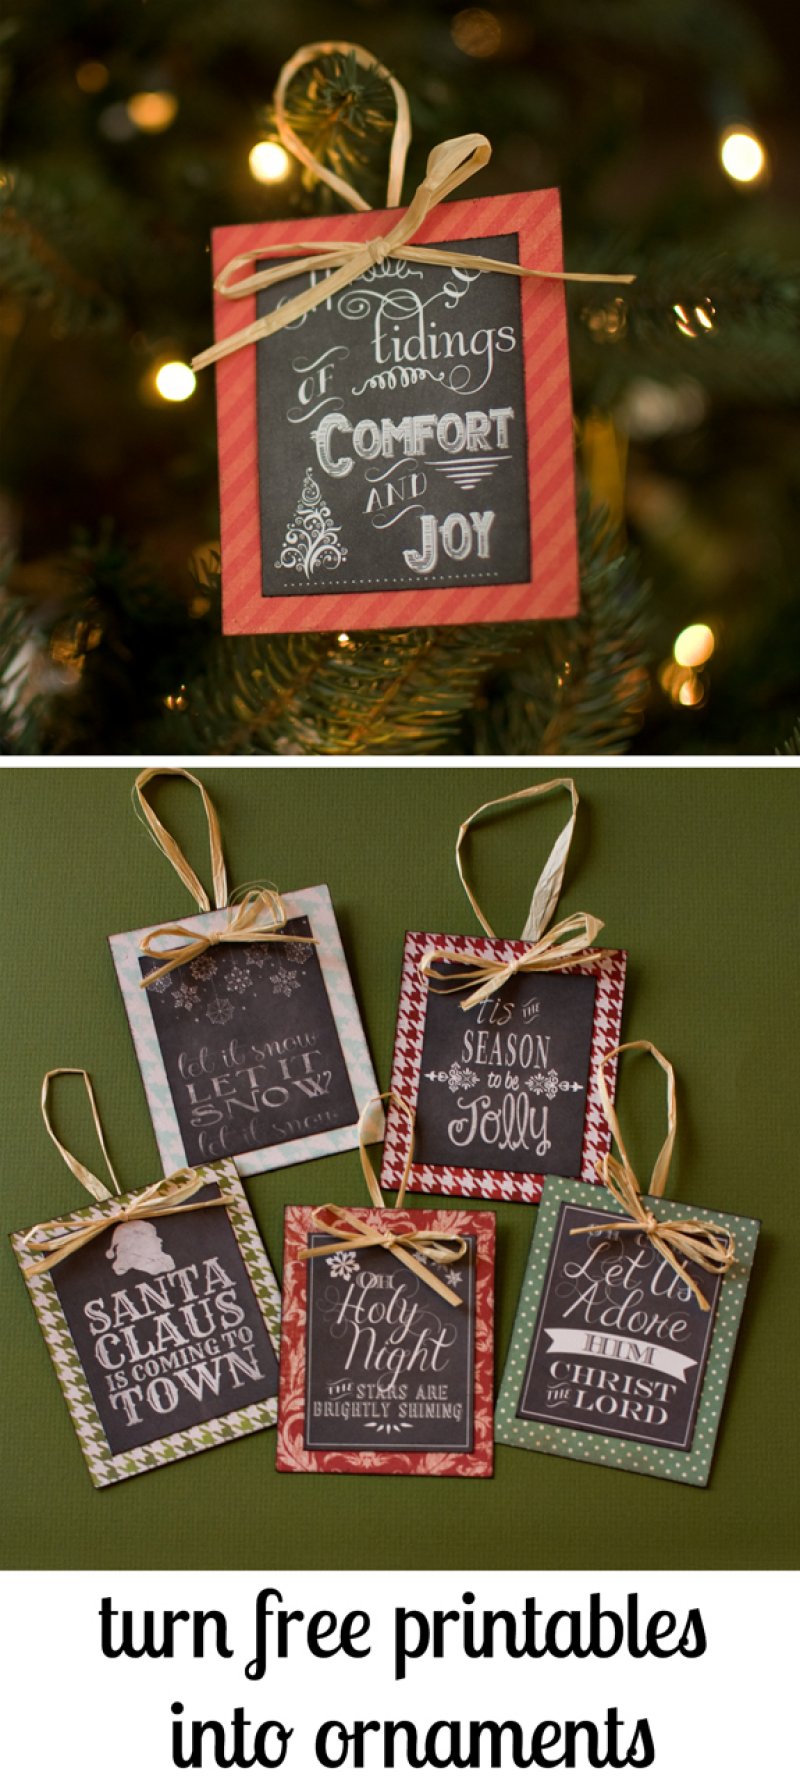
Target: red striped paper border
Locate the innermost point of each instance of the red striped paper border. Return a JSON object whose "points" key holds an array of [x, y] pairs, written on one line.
{"points": [[485, 1183], [553, 591]]}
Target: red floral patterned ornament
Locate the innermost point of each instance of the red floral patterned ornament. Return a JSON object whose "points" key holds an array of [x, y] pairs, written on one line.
{"points": [[387, 1354]]}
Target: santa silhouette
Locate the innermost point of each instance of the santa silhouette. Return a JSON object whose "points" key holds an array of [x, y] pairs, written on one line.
{"points": [[136, 1247]]}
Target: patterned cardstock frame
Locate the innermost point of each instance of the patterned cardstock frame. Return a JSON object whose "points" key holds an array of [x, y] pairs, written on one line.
{"points": [[315, 904], [535, 219], [292, 1455], [106, 1468], [690, 1467], [486, 1183]]}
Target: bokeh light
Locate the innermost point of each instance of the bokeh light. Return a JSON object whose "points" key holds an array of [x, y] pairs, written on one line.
{"points": [[696, 319], [152, 111], [476, 31], [742, 155], [694, 645], [92, 77], [269, 162], [175, 381]]}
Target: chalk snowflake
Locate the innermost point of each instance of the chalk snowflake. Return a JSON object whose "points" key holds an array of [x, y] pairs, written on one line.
{"points": [[344, 1265], [202, 968], [186, 996], [456, 1077], [256, 955], [453, 1276], [164, 982], [299, 952], [285, 981], [238, 979], [220, 1012]]}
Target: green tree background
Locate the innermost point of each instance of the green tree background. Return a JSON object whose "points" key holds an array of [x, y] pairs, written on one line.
{"points": [[109, 632]]}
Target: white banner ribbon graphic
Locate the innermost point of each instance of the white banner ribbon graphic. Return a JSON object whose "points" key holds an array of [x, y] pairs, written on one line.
{"points": [[623, 1351]]}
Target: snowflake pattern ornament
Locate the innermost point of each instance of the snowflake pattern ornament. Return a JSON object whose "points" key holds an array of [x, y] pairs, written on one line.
{"points": [[202, 969], [285, 981], [238, 979], [299, 952], [343, 1266], [186, 996], [220, 1012], [237, 1067], [312, 537]]}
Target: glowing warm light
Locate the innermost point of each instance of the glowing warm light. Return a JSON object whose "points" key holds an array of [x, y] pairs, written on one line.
{"points": [[695, 320], [92, 77], [742, 155], [691, 692], [344, 639], [152, 111], [269, 162], [476, 32], [694, 645], [175, 381]]}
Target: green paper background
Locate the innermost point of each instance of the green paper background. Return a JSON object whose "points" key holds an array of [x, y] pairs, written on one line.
{"points": [[696, 873]]}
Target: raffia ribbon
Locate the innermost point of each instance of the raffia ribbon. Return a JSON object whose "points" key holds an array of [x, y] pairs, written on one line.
{"points": [[707, 1245], [249, 925], [565, 945], [449, 165], [257, 918], [440, 1247], [166, 1198]]}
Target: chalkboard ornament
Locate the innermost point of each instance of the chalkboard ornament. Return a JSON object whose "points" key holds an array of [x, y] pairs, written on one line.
{"points": [[393, 401], [160, 1311], [388, 1337], [627, 1319], [244, 1019], [498, 1043]]}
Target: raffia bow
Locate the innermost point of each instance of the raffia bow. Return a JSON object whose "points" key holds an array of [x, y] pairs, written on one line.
{"points": [[351, 1232], [348, 1231], [710, 1246], [256, 920], [166, 1198], [565, 946], [449, 165]]}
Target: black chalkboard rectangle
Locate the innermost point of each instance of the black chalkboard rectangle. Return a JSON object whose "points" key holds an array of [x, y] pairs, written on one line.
{"points": [[252, 1050], [401, 455], [163, 1330], [388, 1363], [504, 1092], [613, 1358], [391, 431]]}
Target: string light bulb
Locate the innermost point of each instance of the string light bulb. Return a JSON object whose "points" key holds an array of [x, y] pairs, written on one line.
{"points": [[742, 155], [175, 381], [269, 162]]}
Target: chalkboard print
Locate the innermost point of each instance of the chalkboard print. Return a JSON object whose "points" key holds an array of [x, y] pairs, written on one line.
{"points": [[253, 1051], [620, 1343], [402, 455], [392, 437], [379, 1374], [387, 1363], [250, 1047], [612, 1358], [164, 1331], [505, 1092]]}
